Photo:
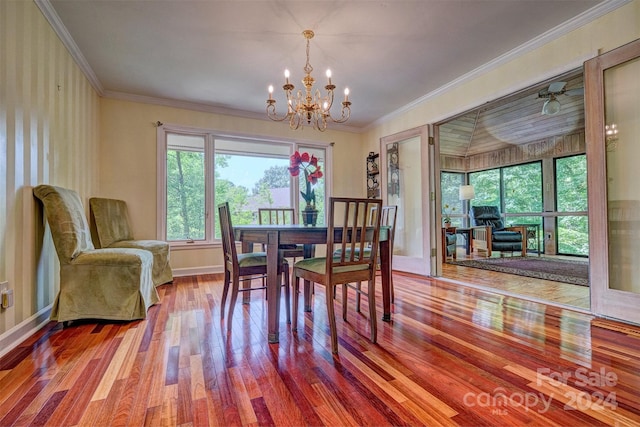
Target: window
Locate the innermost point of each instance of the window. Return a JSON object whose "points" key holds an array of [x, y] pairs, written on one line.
{"points": [[185, 189], [571, 196], [486, 185], [516, 190], [250, 175], [197, 170], [450, 183], [522, 188]]}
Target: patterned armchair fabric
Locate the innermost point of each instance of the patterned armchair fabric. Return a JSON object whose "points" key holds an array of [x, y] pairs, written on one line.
{"points": [[110, 229], [113, 284], [490, 234]]}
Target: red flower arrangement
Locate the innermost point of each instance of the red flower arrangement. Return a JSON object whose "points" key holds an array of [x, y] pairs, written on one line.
{"points": [[312, 173]]}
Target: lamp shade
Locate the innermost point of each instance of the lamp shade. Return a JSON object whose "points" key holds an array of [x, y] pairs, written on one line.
{"points": [[551, 107], [467, 192]]}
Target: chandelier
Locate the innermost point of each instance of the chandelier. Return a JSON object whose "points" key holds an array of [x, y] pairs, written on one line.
{"points": [[308, 108]]}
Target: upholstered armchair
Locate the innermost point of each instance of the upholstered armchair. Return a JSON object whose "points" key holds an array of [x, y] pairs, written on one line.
{"points": [[490, 234], [112, 284], [110, 228]]}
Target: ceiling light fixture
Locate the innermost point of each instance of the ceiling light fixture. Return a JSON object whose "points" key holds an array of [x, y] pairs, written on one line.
{"points": [[551, 106], [309, 108]]}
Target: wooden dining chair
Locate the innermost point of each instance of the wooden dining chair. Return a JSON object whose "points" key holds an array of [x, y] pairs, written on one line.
{"points": [[353, 264], [281, 216], [388, 215], [244, 267]]}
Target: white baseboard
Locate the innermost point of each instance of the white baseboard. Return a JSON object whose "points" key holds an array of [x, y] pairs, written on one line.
{"points": [[194, 271], [16, 335]]}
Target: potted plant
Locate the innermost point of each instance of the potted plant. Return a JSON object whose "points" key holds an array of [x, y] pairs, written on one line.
{"points": [[446, 215], [308, 164]]}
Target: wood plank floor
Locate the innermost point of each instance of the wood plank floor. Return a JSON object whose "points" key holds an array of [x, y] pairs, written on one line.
{"points": [[452, 355], [558, 293]]}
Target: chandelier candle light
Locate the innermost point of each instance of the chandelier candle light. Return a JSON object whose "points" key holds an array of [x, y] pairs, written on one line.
{"points": [[308, 108]]}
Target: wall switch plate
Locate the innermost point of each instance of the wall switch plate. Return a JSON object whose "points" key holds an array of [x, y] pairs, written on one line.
{"points": [[7, 298], [6, 295]]}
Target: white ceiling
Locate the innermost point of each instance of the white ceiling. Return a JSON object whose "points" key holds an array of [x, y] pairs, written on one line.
{"points": [[224, 54]]}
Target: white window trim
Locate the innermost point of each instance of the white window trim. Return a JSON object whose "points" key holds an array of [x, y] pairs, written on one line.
{"points": [[210, 136]]}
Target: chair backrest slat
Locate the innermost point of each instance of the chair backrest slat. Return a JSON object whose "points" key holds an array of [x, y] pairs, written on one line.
{"points": [[388, 217], [276, 216], [360, 231], [226, 230]]}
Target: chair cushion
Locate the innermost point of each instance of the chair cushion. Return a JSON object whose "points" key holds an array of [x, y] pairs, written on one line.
{"points": [[506, 246], [451, 238], [495, 224], [507, 236], [64, 208], [153, 246], [110, 218], [318, 265], [486, 215], [252, 259]]}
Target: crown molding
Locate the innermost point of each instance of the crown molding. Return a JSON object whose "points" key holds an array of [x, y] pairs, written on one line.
{"points": [[58, 27], [578, 21], [205, 108]]}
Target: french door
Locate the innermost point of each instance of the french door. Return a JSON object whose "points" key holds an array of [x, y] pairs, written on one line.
{"points": [[405, 161], [612, 95]]}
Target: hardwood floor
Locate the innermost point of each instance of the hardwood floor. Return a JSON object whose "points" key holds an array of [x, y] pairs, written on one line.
{"points": [[452, 355], [549, 291]]}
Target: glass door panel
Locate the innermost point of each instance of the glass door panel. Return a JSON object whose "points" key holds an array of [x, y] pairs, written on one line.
{"points": [[613, 104], [622, 127], [406, 177]]}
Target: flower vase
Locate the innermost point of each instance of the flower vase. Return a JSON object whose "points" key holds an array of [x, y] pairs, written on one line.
{"points": [[447, 224], [309, 215]]}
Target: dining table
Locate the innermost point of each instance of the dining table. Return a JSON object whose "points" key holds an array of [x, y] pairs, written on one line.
{"points": [[272, 236]]}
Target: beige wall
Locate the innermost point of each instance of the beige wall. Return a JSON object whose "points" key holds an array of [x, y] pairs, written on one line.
{"points": [[128, 162], [49, 126]]}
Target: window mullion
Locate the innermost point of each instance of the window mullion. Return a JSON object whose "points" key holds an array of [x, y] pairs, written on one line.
{"points": [[209, 176]]}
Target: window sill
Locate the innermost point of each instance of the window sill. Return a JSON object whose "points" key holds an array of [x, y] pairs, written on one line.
{"points": [[184, 246]]}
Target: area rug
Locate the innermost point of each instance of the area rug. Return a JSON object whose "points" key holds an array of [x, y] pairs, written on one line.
{"points": [[558, 270]]}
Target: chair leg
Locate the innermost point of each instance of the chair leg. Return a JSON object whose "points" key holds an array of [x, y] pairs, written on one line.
{"points": [[287, 294], [345, 297], [246, 296], [372, 311], [358, 287], [296, 298], [235, 286], [225, 292], [393, 296], [308, 292], [332, 320]]}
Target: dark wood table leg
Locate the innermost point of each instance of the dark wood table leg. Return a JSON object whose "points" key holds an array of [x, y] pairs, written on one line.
{"points": [[385, 269], [274, 259]]}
